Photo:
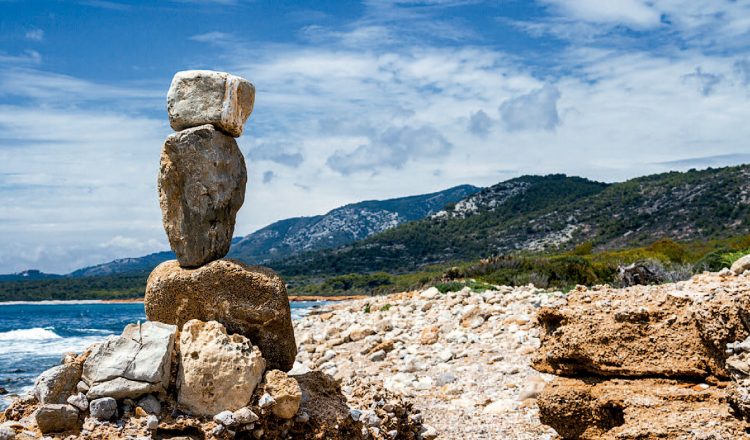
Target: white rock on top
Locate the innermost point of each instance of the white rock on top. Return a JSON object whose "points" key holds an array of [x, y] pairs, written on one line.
{"points": [[198, 97], [131, 365]]}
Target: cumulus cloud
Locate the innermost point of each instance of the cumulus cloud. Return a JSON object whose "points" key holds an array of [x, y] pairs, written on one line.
{"points": [[480, 123], [391, 149], [536, 110]]}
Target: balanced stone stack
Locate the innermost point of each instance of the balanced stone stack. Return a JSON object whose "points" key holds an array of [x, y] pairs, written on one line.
{"points": [[201, 187]]}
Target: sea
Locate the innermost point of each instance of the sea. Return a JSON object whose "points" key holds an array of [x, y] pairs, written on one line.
{"points": [[34, 336]]}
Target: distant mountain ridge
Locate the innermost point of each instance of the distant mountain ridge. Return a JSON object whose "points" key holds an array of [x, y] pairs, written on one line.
{"points": [[287, 237], [342, 225], [554, 212]]}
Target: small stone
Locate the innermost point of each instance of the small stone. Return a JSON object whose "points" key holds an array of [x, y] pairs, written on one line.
{"points": [[152, 423], [82, 387], [429, 335], [140, 412], [266, 400], [7, 433], [56, 418], [258, 433], [378, 356], [445, 355], [302, 418], [355, 414], [150, 404], [428, 432], [285, 391], [358, 332], [225, 418], [103, 409], [245, 416], [79, 401]]}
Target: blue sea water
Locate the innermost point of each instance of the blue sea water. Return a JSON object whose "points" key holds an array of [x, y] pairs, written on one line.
{"points": [[34, 336]]}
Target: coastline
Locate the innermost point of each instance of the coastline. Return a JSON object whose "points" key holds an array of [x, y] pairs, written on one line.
{"points": [[292, 298]]}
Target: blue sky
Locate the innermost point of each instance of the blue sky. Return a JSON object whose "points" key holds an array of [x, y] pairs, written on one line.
{"points": [[355, 100]]}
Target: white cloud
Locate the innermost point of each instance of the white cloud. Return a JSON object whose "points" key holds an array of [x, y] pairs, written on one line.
{"points": [[392, 148], [35, 35], [536, 110], [480, 123], [635, 13]]}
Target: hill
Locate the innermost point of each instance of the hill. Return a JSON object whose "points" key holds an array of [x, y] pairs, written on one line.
{"points": [[550, 213], [341, 226]]}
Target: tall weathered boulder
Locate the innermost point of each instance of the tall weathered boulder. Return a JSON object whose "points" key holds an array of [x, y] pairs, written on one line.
{"points": [[198, 97], [250, 301], [131, 365], [201, 187], [217, 371]]}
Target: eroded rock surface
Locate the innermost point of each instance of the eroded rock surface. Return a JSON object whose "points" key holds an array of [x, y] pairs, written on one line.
{"points": [[669, 361], [217, 371], [672, 330], [198, 97], [201, 187], [250, 301], [592, 409]]}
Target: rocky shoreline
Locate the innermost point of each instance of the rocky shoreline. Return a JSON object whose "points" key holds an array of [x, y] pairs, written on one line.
{"points": [[462, 358]]}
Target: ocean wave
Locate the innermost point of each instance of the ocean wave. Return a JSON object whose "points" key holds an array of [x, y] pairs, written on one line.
{"points": [[50, 302], [29, 334], [15, 349]]}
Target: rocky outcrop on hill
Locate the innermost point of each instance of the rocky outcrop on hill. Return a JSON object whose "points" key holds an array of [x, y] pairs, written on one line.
{"points": [[648, 362]]}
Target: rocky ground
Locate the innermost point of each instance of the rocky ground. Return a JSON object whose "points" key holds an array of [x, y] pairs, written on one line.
{"points": [[462, 358]]}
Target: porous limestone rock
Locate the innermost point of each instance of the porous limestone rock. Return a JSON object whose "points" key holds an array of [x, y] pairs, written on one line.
{"points": [[58, 383], [250, 301], [198, 97], [285, 391], [217, 371], [637, 332], [54, 417], [593, 408], [201, 187], [128, 366]]}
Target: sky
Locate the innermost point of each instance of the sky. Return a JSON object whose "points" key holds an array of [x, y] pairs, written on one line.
{"points": [[355, 100]]}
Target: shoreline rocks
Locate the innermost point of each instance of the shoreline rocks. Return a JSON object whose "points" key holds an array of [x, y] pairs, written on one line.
{"points": [[648, 362]]}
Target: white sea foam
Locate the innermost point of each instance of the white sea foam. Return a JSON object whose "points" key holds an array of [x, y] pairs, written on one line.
{"points": [[29, 334], [49, 303], [52, 346]]}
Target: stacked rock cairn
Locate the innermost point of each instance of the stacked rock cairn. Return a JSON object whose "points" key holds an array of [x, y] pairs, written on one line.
{"points": [[219, 334]]}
